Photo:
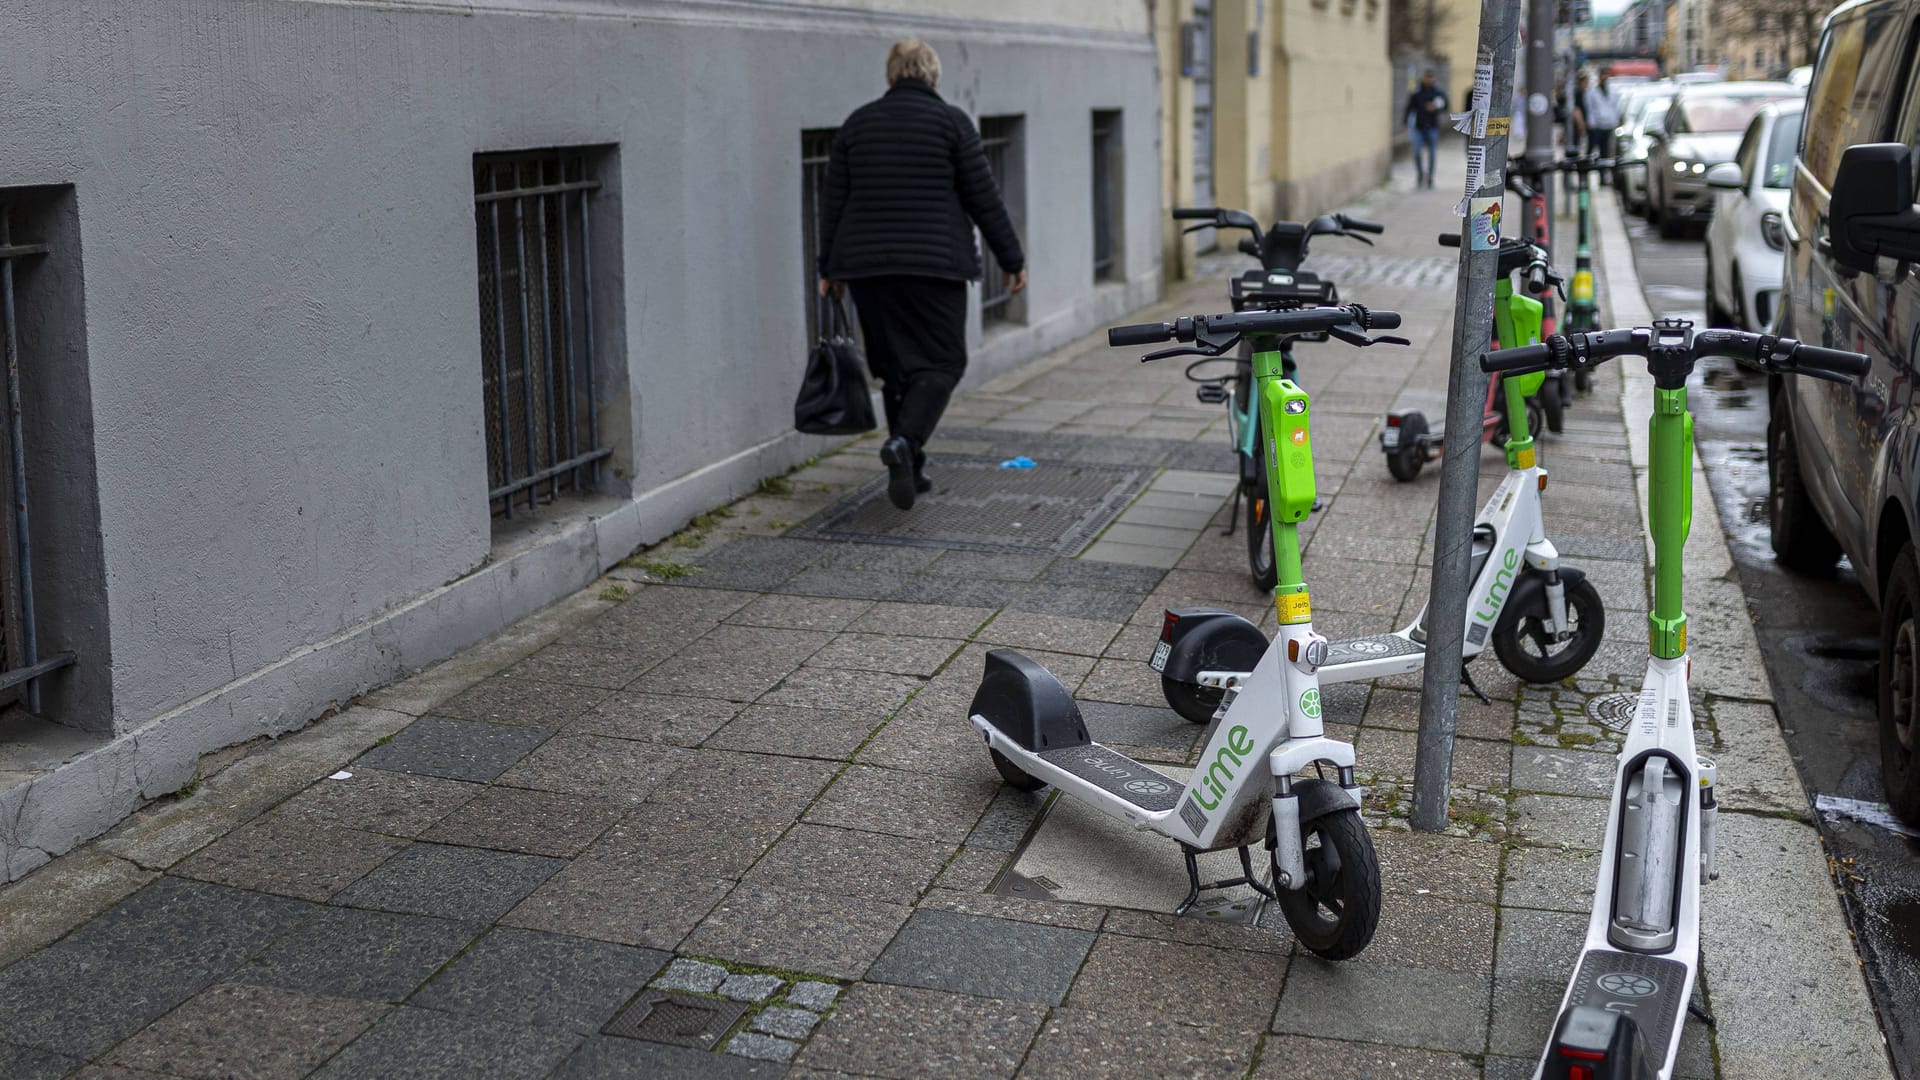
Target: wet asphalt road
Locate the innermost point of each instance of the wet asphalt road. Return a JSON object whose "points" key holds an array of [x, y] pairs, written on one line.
{"points": [[1819, 637]]}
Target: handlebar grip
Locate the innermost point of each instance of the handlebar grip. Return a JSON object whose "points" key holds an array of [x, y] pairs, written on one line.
{"points": [[1523, 358], [1195, 213], [1450, 239], [1382, 320], [1536, 279], [1140, 333], [1838, 365], [1354, 224]]}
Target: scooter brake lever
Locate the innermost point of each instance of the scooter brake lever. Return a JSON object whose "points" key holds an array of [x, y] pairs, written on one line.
{"points": [[1363, 341], [1357, 236], [1181, 351]]}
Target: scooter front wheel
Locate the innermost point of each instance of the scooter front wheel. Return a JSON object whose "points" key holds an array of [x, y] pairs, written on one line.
{"points": [[1195, 703], [1526, 649], [1335, 912]]}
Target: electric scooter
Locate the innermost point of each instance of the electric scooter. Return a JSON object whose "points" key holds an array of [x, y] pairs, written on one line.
{"points": [[1583, 305], [1623, 1012], [1326, 879], [1278, 283], [1407, 440], [1543, 619]]}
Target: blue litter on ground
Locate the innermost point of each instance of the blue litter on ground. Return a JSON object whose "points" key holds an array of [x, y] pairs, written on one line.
{"points": [[1021, 462]]}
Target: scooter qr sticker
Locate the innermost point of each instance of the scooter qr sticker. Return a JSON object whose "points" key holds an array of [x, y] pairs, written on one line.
{"points": [[1161, 651], [1483, 224]]}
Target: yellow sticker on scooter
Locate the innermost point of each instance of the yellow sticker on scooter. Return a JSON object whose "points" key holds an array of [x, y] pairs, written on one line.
{"points": [[1583, 285], [1293, 607]]}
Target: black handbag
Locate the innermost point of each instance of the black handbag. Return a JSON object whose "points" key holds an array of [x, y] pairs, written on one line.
{"points": [[833, 397]]}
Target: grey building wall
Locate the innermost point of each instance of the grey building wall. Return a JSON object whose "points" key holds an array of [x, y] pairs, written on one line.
{"points": [[279, 332]]}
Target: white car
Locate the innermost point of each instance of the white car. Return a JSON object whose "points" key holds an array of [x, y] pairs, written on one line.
{"points": [[1641, 118], [1746, 238]]}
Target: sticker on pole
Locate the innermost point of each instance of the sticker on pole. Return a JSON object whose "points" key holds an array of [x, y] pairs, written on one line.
{"points": [[1483, 224]]}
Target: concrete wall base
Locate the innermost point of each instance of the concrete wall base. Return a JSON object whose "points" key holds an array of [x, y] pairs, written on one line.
{"points": [[1299, 198]]}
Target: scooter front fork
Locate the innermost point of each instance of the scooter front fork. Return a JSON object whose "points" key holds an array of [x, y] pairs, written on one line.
{"points": [[1709, 817], [1289, 851], [1556, 606]]}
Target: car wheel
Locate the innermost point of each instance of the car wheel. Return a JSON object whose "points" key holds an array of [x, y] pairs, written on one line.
{"points": [[1801, 541], [1900, 689]]}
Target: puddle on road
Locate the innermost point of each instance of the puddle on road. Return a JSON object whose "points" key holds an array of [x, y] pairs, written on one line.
{"points": [[1903, 926]]}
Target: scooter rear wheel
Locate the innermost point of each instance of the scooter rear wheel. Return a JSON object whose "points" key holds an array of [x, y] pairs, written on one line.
{"points": [[1194, 703], [1336, 911], [1404, 461], [1011, 773]]}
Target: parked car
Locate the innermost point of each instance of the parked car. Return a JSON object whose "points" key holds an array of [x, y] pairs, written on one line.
{"points": [[1844, 460], [1644, 117], [1747, 233], [1702, 129], [1800, 76]]}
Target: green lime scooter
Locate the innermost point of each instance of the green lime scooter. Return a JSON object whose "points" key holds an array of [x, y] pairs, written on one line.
{"points": [[1622, 1015]]}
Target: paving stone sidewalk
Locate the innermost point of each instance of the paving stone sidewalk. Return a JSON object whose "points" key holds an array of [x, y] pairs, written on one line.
{"points": [[722, 814]]}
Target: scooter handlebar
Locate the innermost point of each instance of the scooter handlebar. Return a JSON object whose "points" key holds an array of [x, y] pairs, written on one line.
{"points": [[1195, 213], [1140, 333], [1520, 359], [1354, 224], [1450, 239], [1836, 365], [1783, 356]]}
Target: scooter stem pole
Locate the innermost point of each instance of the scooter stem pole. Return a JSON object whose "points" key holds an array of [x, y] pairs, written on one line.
{"points": [[1466, 398]]}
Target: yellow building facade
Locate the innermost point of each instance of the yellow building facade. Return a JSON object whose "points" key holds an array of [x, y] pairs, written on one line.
{"points": [[1282, 108]]}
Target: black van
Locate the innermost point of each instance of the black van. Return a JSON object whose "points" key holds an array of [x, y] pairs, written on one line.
{"points": [[1844, 461]]}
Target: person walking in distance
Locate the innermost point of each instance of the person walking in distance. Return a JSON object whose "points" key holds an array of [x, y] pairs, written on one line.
{"points": [[1425, 108], [1599, 115], [907, 182]]}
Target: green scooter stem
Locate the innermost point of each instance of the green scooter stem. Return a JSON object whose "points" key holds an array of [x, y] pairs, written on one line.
{"points": [[1670, 513], [1290, 484]]}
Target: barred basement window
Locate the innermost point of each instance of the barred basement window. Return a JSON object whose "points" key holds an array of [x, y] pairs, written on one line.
{"points": [[1003, 139], [533, 215], [1108, 166], [816, 146]]}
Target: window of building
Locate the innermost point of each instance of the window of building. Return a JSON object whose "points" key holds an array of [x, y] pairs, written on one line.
{"points": [[534, 217], [1004, 141], [40, 339], [1108, 168], [816, 147]]}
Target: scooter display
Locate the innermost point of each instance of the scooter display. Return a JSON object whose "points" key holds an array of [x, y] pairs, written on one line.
{"points": [[1407, 440], [1326, 879], [1622, 1015]]}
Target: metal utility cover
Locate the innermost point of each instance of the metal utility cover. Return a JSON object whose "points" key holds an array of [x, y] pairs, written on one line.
{"points": [[678, 1019], [1081, 855], [1613, 710], [1054, 508]]}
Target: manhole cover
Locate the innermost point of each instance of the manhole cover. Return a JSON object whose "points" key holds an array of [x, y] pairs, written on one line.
{"points": [[1613, 710], [679, 1019], [978, 506]]}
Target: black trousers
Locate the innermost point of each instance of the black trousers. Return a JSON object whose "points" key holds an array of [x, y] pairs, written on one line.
{"points": [[916, 331]]}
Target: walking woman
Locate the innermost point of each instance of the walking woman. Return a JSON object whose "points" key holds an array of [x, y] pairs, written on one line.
{"points": [[906, 184]]}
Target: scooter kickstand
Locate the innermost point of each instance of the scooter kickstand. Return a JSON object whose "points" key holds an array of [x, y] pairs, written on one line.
{"points": [[1193, 882], [1194, 887], [1233, 518], [1466, 679], [1701, 1015], [1246, 865]]}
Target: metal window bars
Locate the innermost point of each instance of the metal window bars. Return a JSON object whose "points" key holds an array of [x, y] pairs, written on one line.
{"points": [[534, 222], [997, 137], [816, 146], [19, 637], [1106, 127]]}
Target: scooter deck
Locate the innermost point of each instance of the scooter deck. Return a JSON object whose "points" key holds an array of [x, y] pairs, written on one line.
{"points": [[1371, 647], [1647, 988], [1117, 774]]}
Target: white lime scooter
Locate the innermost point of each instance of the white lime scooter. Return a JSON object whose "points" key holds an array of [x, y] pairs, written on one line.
{"points": [[1621, 1018], [1246, 788]]}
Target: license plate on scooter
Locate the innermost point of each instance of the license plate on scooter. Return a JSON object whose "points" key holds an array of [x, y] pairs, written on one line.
{"points": [[1390, 439], [1160, 654]]}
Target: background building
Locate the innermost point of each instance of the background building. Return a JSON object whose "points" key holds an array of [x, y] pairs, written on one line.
{"points": [[349, 333], [1282, 108]]}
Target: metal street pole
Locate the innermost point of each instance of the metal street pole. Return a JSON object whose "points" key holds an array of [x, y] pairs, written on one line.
{"points": [[1486, 128], [1537, 219]]}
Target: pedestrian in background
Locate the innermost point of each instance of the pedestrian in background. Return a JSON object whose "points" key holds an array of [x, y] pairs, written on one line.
{"points": [[1599, 115], [907, 181], [1425, 108]]}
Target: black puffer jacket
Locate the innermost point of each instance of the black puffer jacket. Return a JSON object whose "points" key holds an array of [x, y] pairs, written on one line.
{"points": [[907, 182]]}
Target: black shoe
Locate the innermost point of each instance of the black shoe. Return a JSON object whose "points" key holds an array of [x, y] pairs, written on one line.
{"points": [[897, 454]]}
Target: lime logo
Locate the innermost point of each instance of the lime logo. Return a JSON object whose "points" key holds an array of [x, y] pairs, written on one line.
{"points": [[1310, 704]]}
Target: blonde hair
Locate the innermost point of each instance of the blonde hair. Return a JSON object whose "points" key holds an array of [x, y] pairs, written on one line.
{"points": [[911, 58]]}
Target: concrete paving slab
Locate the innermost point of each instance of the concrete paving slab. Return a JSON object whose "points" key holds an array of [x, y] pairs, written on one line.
{"points": [[905, 1031], [1436, 1010], [60, 896], [986, 957]]}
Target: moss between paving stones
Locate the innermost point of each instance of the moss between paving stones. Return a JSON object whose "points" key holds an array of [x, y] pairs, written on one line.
{"points": [[760, 1041]]}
